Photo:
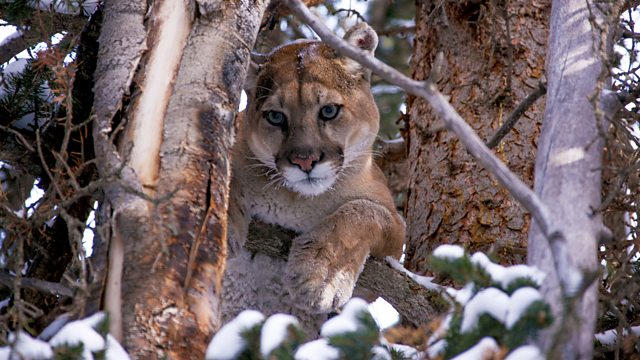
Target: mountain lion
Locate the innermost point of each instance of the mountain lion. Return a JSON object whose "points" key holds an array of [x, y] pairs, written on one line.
{"points": [[303, 161]]}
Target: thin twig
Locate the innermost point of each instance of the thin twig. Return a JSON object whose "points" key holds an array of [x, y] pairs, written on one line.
{"points": [[516, 114], [349, 13], [18, 135]]}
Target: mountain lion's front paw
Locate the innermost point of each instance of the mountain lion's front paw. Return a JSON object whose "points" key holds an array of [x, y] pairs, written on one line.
{"points": [[316, 285]]}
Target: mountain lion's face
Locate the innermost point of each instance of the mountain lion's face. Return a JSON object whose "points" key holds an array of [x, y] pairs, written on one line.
{"points": [[312, 118]]}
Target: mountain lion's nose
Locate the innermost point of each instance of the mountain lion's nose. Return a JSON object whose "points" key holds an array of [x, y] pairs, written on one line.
{"points": [[305, 161]]}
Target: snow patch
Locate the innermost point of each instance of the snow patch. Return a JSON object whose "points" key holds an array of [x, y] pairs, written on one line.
{"points": [[407, 351], [81, 331], [380, 353], [522, 271], [607, 338], [484, 349], [317, 350], [115, 350], [29, 348], [610, 337], [14, 67], [15, 35], [274, 332], [527, 352], [449, 252], [463, 295], [520, 301], [347, 321], [424, 281], [228, 342], [384, 313], [436, 348], [488, 301], [506, 275], [73, 7]]}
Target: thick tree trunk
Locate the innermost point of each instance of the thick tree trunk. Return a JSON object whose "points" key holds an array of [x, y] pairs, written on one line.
{"points": [[568, 167], [494, 58], [187, 62]]}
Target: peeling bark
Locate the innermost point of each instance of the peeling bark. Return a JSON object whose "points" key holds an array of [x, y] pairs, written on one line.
{"points": [[168, 199], [168, 28], [172, 279]]}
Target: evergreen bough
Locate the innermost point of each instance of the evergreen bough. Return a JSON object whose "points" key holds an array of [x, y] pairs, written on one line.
{"points": [[518, 320], [353, 335]]}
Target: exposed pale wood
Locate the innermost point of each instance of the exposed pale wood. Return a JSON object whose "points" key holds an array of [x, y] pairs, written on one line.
{"points": [[122, 42]]}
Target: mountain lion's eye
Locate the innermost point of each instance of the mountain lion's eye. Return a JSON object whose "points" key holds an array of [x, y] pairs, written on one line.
{"points": [[329, 112], [275, 118]]}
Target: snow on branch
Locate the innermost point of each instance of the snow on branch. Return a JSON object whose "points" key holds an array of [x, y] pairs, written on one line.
{"points": [[66, 7], [572, 281]]}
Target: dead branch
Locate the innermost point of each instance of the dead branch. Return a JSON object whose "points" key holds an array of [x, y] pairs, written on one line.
{"points": [[48, 287], [516, 114], [415, 303]]}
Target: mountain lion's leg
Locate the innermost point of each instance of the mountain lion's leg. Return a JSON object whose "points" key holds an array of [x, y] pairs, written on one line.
{"points": [[325, 262]]}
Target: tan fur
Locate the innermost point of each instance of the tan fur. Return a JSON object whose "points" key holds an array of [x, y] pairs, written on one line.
{"points": [[344, 224]]}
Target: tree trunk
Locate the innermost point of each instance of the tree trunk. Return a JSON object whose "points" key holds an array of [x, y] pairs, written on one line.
{"points": [[494, 57], [568, 167], [184, 64]]}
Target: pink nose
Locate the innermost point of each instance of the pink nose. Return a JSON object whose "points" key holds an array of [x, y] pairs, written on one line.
{"points": [[305, 162]]}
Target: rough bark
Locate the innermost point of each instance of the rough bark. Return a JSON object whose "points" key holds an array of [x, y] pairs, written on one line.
{"points": [[568, 169], [122, 43], [491, 66]]}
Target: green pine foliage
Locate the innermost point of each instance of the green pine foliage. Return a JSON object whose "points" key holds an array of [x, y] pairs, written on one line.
{"points": [[68, 352], [477, 276], [461, 270], [357, 345], [23, 93], [537, 317], [251, 337], [295, 338], [397, 354], [363, 343]]}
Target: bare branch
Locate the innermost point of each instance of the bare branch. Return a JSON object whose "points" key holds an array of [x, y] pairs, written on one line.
{"points": [[47, 287], [26, 38], [516, 114]]}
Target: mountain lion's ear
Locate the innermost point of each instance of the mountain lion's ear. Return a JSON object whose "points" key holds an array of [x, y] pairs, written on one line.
{"points": [[364, 37], [255, 62]]}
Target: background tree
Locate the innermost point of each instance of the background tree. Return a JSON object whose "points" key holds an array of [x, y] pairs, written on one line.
{"points": [[494, 55]]}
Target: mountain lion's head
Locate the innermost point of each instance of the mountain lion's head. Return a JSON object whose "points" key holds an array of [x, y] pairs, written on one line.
{"points": [[311, 118]]}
